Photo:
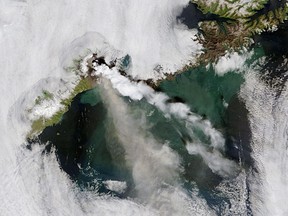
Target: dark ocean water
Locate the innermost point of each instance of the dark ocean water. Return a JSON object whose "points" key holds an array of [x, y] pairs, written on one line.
{"points": [[88, 149], [81, 143], [84, 137]]}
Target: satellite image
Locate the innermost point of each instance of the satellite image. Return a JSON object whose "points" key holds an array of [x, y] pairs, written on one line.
{"points": [[151, 107]]}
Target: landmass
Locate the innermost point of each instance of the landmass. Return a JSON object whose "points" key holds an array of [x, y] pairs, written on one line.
{"points": [[232, 30]]}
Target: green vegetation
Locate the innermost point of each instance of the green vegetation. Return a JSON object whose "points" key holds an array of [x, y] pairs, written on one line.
{"points": [[242, 21], [41, 123], [83, 85], [231, 9], [75, 68], [267, 21], [218, 40], [46, 95]]}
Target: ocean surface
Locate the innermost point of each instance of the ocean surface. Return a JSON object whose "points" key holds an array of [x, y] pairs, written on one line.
{"points": [[89, 150], [210, 141]]}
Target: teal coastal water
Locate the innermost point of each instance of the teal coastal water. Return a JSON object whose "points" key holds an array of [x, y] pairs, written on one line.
{"points": [[88, 148]]}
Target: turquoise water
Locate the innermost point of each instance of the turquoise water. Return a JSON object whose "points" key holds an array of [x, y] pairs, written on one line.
{"points": [[205, 92], [202, 90], [99, 155], [89, 150]]}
